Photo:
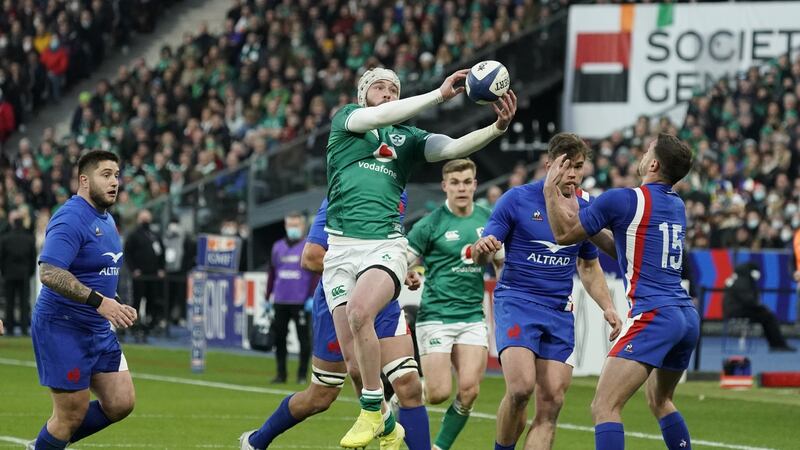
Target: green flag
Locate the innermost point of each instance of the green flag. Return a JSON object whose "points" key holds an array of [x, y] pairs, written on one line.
{"points": [[664, 15]]}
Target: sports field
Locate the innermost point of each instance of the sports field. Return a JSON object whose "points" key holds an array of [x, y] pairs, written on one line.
{"points": [[179, 410]]}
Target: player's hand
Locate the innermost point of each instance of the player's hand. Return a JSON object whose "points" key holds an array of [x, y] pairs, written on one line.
{"points": [[161, 273], [486, 245], [131, 312], [413, 280], [116, 313], [505, 107], [448, 88], [137, 273], [2, 330], [555, 174], [797, 275], [614, 321]]}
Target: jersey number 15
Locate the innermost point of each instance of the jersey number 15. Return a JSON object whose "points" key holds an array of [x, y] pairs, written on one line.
{"points": [[674, 262]]}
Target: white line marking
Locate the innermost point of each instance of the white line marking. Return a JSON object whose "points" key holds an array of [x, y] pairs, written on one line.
{"points": [[260, 390]]}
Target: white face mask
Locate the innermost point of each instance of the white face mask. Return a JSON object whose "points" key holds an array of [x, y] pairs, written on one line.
{"points": [[752, 223], [786, 235], [3, 42]]}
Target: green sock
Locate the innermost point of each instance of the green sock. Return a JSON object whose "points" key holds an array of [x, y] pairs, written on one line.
{"points": [[454, 420], [371, 400], [388, 422]]}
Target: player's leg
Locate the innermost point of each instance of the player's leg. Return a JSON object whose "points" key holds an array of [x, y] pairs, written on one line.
{"points": [[619, 380], [435, 343], [303, 326], [115, 400], [660, 390], [401, 369], [519, 372], [470, 364], [373, 290], [327, 379], [281, 329], [662, 382], [552, 380], [69, 409]]}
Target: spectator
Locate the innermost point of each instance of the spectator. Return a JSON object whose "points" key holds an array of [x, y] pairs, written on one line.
{"points": [[7, 122], [17, 264], [144, 255], [742, 300], [56, 61]]}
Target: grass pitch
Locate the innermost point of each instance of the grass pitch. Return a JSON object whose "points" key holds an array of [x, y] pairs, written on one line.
{"points": [[177, 409]]}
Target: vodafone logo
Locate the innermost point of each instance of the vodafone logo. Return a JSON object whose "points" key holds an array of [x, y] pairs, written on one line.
{"points": [[384, 153], [466, 254]]}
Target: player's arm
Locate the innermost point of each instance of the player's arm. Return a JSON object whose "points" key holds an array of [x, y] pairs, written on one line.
{"points": [[312, 257], [604, 240], [63, 282], [439, 147], [594, 281], [562, 211], [499, 262], [369, 118]]}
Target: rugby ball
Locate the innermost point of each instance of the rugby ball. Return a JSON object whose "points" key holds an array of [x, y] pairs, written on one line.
{"points": [[487, 81]]}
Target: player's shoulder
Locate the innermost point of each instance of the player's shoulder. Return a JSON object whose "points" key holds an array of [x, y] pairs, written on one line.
{"points": [[346, 109], [339, 119], [71, 212], [432, 217], [481, 212]]}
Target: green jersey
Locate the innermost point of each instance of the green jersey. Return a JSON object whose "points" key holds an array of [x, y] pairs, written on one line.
{"points": [[367, 172], [453, 283]]}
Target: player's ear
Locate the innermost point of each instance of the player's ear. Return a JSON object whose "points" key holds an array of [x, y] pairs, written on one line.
{"points": [[444, 185]]}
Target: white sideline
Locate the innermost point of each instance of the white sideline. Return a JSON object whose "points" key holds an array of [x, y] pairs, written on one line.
{"points": [[260, 390]]}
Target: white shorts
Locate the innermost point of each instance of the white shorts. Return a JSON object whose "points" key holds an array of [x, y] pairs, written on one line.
{"points": [[440, 337], [347, 258]]}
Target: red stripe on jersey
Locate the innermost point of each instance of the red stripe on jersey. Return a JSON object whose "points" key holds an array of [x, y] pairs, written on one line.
{"points": [[633, 331], [639, 242]]}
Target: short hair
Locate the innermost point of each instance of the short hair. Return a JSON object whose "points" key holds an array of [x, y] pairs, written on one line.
{"points": [[674, 156], [92, 158], [458, 165], [569, 144]]}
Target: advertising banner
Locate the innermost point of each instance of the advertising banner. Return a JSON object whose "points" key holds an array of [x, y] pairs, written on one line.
{"points": [[219, 253], [627, 60]]}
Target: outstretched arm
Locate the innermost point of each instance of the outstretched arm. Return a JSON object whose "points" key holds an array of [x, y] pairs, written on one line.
{"points": [[562, 211], [439, 147], [364, 119]]}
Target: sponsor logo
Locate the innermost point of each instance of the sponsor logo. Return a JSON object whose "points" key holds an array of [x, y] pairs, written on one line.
{"points": [[384, 153], [683, 443], [452, 235], [435, 341], [333, 347], [514, 331], [338, 291], [289, 274], [97, 231], [601, 67], [548, 260], [552, 246], [397, 139], [290, 258], [109, 271], [537, 215], [386, 257], [74, 375], [466, 254], [629, 348], [378, 168], [114, 256], [479, 231]]}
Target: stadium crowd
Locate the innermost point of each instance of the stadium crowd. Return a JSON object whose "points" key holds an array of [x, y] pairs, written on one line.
{"points": [[277, 71], [46, 46]]}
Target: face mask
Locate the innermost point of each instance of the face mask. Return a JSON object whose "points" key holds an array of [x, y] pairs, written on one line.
{"points": [[796, 222], [759, 195], [786, 235], [791, 208], [752, 223], [777, 224], [228, 231], [755, 274], [27, 46], [3, 42], [54, 44], [294, 233]]}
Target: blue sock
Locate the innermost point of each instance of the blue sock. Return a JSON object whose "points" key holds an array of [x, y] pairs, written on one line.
{"points": [[94, 421], [675, 433], [46, 441], [504, 447], [280, 421], [609, 436], [418, 432]]}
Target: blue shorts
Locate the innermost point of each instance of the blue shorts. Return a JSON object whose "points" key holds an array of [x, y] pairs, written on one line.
{"points": [[547, 332], [67, 354], [664, 337], [390, 322]]}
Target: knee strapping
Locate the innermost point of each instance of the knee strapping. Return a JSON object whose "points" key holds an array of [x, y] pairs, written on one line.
{"points": [[400, 367], [326, 378]]}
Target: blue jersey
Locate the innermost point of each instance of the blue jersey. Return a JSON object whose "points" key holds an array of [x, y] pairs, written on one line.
{"points": [[536, 268], [649, 224], [317, 233], [86, 243]]}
